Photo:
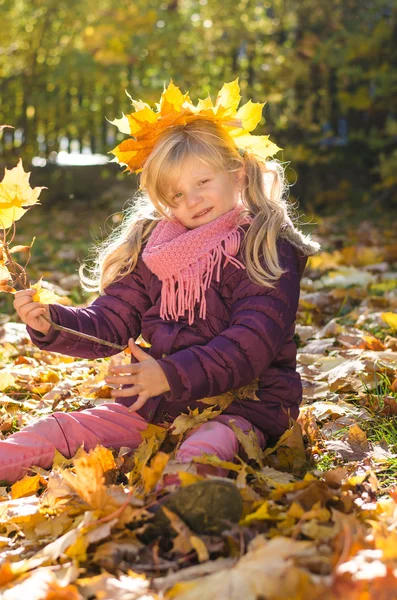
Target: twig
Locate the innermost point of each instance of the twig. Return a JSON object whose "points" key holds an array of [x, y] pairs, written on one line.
{"points": [[20, 276], [91, 338]]}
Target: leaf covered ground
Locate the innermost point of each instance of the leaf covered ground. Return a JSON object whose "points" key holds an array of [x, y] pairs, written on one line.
{"points": [[319, 509]]}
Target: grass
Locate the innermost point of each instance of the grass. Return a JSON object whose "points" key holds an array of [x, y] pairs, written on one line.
{"points": [[327, 461], [381, 429]]}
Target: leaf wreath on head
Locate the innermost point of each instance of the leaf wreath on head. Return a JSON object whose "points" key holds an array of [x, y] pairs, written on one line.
{"points": [[145, 124]]}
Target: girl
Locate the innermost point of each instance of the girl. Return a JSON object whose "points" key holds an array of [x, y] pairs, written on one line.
{"points": [[206, 266]]}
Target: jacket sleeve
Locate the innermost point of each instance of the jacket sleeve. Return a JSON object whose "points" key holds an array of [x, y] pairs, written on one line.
{"points": [[260, 321], [115, 317]]}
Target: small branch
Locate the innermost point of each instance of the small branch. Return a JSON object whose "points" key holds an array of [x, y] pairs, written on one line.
{"points": [[20, 277], [91, 338]]}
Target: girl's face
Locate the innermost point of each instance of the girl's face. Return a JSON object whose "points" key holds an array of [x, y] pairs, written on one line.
{"points": [[203, 194]]}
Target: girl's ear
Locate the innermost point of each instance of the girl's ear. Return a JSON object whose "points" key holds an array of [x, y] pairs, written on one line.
{"points": [[240, 177]]}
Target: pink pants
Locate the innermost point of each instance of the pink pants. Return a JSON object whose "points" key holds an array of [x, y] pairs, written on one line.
{"points": [[110, 425]]}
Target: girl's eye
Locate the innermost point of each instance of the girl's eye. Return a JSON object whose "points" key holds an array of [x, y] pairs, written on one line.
{"points": [[204, 181]]}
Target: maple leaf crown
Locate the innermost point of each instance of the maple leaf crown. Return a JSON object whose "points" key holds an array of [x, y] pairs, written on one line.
{"points": [[145, 125]]}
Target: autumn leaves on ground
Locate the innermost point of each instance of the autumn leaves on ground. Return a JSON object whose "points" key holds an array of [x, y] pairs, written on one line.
{"points": [[319, 509]]}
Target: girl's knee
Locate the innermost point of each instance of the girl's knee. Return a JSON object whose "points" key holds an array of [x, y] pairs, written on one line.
{"points": [[209, 438]]}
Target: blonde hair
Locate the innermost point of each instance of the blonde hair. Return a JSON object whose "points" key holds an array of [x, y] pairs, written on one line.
{"points": [[263, 196]]}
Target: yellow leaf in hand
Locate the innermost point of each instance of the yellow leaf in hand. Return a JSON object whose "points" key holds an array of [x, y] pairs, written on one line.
{"points": [[16, 195], [45, 296]]}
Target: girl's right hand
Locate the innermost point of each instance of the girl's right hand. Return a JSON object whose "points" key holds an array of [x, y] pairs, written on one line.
{"points": [[31, 312]]}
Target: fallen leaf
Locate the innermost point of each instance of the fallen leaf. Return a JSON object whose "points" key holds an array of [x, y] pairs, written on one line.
{"points": [[268, 565], [25, 486], [249, 442], [390, 318], [151, 475], [184, 423]]}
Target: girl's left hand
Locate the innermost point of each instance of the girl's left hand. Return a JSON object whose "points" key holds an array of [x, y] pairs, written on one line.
{"points": [[146, 377]]}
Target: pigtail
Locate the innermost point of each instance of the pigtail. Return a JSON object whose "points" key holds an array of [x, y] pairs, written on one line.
{"points": [[264, 195], [118, 255]]}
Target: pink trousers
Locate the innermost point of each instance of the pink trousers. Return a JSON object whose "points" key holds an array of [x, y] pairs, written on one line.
{"points": [[110, 425]]}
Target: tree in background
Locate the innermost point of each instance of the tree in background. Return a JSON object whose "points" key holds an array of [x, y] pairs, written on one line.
{"points": [[327, 71]]}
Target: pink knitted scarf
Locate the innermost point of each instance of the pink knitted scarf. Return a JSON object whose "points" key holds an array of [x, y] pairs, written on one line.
{"points": [[185, 259]]}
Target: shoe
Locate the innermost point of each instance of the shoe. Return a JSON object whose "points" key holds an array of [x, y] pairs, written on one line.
{"points": [[207, 507]]}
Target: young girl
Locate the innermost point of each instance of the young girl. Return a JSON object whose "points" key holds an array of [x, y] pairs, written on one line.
{"points": [[206, 266]]}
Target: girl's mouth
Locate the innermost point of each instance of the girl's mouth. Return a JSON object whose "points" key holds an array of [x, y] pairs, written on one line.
{"points": [[203, 213]]}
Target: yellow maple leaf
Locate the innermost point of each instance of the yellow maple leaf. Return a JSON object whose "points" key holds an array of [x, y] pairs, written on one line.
{"points": [[88, 480], [229, 97], [151, 474], [16, 195], [6, 380], [46, 296], [25, 487], [105, 457], [152, 438], [265, 512], [175, 108], [250, 115], [390, 318], [185, 422], [187, 478], [172, 100]]}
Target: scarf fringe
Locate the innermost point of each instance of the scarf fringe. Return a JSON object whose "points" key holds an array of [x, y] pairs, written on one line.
{"points": [[191, 288]]}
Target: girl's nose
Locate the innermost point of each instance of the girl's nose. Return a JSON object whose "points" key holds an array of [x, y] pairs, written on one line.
{"points": [[193, 199]]}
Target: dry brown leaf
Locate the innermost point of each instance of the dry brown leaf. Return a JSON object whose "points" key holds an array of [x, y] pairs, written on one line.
{"points": [[249, 442]]}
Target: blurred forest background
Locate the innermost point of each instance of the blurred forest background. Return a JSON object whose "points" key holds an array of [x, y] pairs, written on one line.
{"points": [[326, 69]]}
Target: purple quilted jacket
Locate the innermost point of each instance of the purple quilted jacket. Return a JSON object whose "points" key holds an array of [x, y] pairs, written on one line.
{"points": [[247, 334]]}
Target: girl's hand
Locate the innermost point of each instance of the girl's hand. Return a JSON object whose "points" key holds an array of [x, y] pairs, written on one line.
{"points": [[146, 377], [31, 312]]}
